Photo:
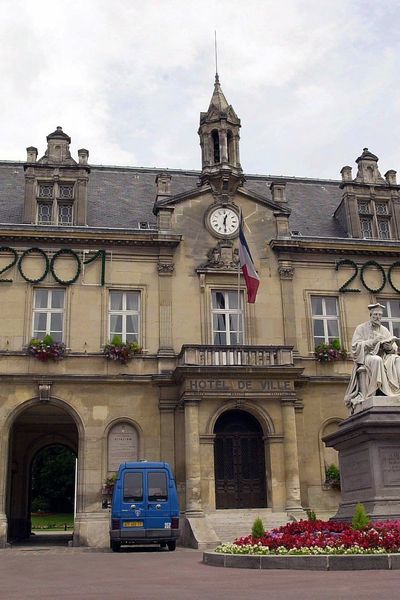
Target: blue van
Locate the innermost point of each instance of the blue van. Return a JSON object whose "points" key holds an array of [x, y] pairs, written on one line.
{"points": [[144, 508]]}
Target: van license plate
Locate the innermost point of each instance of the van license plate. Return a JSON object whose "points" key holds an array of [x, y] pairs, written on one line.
{"points": [[132, 523]]}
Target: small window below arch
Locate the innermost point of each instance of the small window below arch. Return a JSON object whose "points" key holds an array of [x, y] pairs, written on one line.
{"points": [[123, 443], [215, 141]]}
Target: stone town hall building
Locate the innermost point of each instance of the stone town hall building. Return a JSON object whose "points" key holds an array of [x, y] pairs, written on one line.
{"points": [[229, 393]]}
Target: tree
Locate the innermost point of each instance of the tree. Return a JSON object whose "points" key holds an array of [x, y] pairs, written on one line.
{"points": [[53, 479]]}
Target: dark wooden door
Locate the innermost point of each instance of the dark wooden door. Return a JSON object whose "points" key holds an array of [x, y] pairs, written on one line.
{"points": [[239, 464]]}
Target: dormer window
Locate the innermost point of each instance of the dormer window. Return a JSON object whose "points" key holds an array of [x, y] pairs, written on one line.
{"points": [[55, 203], [383, 229], [363, 208], [46, 190], [366, 227], [381, 208], [374, 219]]}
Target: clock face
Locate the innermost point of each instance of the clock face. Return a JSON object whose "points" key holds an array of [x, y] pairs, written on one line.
{"points": [[224, 221]]}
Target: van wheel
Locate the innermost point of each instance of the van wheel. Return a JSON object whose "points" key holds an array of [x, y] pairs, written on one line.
{"points": [[171, 545], [115, 546]]}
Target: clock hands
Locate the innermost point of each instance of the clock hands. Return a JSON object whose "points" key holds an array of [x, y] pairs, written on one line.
{"points": [[224, 221]]}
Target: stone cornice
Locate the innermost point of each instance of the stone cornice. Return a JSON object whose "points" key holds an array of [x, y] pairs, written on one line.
{"points": [[336, 246], [20, 234], [236, 371]]}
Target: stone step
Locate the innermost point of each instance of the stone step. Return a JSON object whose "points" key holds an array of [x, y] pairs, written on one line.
{"points": [[230, 524]]}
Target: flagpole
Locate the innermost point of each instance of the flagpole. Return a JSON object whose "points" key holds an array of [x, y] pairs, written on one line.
{"points": [[238, 286], [239, 304]]}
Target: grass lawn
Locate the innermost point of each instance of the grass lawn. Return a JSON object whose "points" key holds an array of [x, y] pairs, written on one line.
{"points": [[52, 521]]}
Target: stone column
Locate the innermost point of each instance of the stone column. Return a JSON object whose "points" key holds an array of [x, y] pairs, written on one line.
{"points": [[30, 197], [207, 442], [223, 144], [92, 522], [237, 151], [286, 274], [192, 458], [80, 218], [293, 502], [167, 426], [276, 485], [4, 480], [165, 270]]}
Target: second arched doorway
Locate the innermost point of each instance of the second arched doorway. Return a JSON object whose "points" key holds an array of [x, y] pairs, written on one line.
{"points": [[239, 459]]}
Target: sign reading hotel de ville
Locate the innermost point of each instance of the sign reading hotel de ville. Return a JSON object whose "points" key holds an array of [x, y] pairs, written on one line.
{"points": [[122, 445], [273, 387]]}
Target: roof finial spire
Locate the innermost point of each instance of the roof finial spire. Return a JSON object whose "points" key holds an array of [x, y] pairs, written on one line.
{"points": [[216, 57]]}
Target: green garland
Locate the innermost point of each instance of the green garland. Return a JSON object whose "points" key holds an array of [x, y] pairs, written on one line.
{"points": [[78, 266], [393, 266], [373, 263], [30, 251], [351, 263], [11, 264]]}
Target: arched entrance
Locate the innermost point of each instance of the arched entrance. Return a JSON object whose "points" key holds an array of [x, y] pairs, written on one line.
{"points": [[40, 425], [239, 461]]}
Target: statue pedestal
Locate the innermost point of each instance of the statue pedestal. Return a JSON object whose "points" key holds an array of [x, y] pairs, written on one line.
{"points": [[369, 456]]}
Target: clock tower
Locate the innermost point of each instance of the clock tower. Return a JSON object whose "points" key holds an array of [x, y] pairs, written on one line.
{"points": [[219, 141]]}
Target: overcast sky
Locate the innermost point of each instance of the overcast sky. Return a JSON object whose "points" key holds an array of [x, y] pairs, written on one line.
{"points": [[313, 81]]}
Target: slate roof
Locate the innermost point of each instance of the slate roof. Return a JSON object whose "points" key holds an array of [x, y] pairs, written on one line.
{"points": [[123, 197]]}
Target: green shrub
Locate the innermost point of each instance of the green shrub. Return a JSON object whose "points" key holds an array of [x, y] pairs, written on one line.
{"points": [[311, 516], [332, 476], [360, 519], [257, 530]]}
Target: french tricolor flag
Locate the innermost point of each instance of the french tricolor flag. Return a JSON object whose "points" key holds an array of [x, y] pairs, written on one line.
{"points": [[247, 265]]}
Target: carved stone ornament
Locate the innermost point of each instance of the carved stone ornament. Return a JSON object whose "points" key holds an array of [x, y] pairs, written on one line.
{"points": [[286, 271], [44, 389], [222, 257], [165, 268]]}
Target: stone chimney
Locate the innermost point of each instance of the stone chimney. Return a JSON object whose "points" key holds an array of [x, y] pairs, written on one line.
{"points": [[31, 154], [346, 173], [278, 191], [163, 183], [390, 177], [83, 155]]}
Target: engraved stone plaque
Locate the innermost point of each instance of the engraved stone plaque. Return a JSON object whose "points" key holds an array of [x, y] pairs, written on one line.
{"points": [[122, 445], [390, 462], [355, 470]]}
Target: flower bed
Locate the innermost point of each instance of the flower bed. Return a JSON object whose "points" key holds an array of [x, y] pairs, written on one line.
{"points": [[320, 537]]}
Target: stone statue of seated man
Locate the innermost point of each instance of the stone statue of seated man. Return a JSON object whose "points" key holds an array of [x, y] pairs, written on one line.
{"points": [[376, 367]]}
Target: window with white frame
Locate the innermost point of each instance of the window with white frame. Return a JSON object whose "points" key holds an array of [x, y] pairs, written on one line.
{"points": [[391, 315], [325, 319], [55, 203], [48, 313], [227, 317], [124, 312]]}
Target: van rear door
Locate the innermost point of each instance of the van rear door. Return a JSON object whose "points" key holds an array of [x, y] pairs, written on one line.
{"points": [[133, 503], [158, 501]]}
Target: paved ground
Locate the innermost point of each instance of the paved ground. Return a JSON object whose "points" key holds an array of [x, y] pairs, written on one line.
{"points": [[45, 572]]}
